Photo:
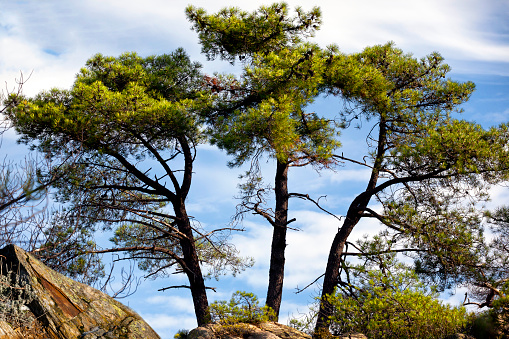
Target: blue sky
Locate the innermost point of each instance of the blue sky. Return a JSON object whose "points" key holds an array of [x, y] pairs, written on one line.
{"points": [[53, 39]]}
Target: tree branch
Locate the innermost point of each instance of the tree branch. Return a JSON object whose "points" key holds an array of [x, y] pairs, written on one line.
{"points": [[184, 286], [306, 197]]}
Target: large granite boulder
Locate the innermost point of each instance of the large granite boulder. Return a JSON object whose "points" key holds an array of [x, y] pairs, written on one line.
{"points": [[353, 336], [266, 330], [61, 308]]}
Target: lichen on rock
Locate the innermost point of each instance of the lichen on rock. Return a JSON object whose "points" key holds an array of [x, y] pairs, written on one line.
{"points": [[265, 330], [65, 308]]}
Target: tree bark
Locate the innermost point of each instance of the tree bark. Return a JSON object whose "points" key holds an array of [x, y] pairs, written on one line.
{"points": [[354, 214], [189, 253], [192, 269], [277, 255], [331, 277]]}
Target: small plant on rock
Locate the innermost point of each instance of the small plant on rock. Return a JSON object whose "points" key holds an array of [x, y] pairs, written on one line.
{"points": [[181, 334], [243, 307]]}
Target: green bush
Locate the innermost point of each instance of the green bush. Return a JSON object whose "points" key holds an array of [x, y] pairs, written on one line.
{"points": [[181, 334], [482, 325], [243, 307], [395, 305]]}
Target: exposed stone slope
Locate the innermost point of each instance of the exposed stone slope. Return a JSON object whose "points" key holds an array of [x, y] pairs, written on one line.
{"points": [[67, 309], [266, 330]]}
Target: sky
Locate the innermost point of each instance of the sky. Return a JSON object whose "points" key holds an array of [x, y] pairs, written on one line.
{"points": [[51, 40]]}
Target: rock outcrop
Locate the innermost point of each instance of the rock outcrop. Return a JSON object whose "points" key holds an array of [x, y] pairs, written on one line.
{"points": [[353, 336], [266, 330], [62, 308]]}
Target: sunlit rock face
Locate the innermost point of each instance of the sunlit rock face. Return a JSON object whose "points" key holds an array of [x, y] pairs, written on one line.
{"points": [[266, 330], [58, 307]]}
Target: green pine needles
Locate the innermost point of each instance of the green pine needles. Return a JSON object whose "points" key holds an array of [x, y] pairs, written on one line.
{"points": [[243, 307]]}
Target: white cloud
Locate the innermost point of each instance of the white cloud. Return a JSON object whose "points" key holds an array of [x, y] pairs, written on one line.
{"points": [[348, 175], [492, 117], [455, 297], [23, 60], [167, 325], [9, 138], [290, 310], [255, 243], [499, 196], [177, 303], [459, 29], [307, 250]]}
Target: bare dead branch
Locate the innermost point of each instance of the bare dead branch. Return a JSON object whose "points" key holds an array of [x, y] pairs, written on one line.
{"points": [[317, 203]]}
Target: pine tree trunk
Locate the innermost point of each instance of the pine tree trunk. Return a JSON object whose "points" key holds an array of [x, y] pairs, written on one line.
{"points": [[277, 256], [354, 214], [331, 277], [193, 269]]}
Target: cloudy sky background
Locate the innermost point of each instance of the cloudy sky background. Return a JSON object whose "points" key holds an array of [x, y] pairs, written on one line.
{"points": [[53, 39]]}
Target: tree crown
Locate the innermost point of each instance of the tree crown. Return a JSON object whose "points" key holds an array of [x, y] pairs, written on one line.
{"points": [[233, 33]]}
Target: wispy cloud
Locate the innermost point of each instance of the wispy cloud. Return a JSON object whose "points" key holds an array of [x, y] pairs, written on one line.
{"points": [[167, 325], [458, 29], [72, 31]]}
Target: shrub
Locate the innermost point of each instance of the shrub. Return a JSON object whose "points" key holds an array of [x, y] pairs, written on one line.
{"points": [[181, 334], [482, 325], [385, 299], [243, 307], [394, 305]]}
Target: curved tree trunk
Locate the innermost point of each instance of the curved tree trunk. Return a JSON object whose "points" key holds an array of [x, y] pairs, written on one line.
{"points": [[331, 277], [277, 255], [354, 214]]}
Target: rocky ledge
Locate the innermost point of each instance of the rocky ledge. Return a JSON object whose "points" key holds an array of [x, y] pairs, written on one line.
{"points": [[61, 308], [266, 330]]}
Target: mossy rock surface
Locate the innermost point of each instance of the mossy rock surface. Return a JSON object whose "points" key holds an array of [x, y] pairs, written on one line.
{"points": [[68, 309]]}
